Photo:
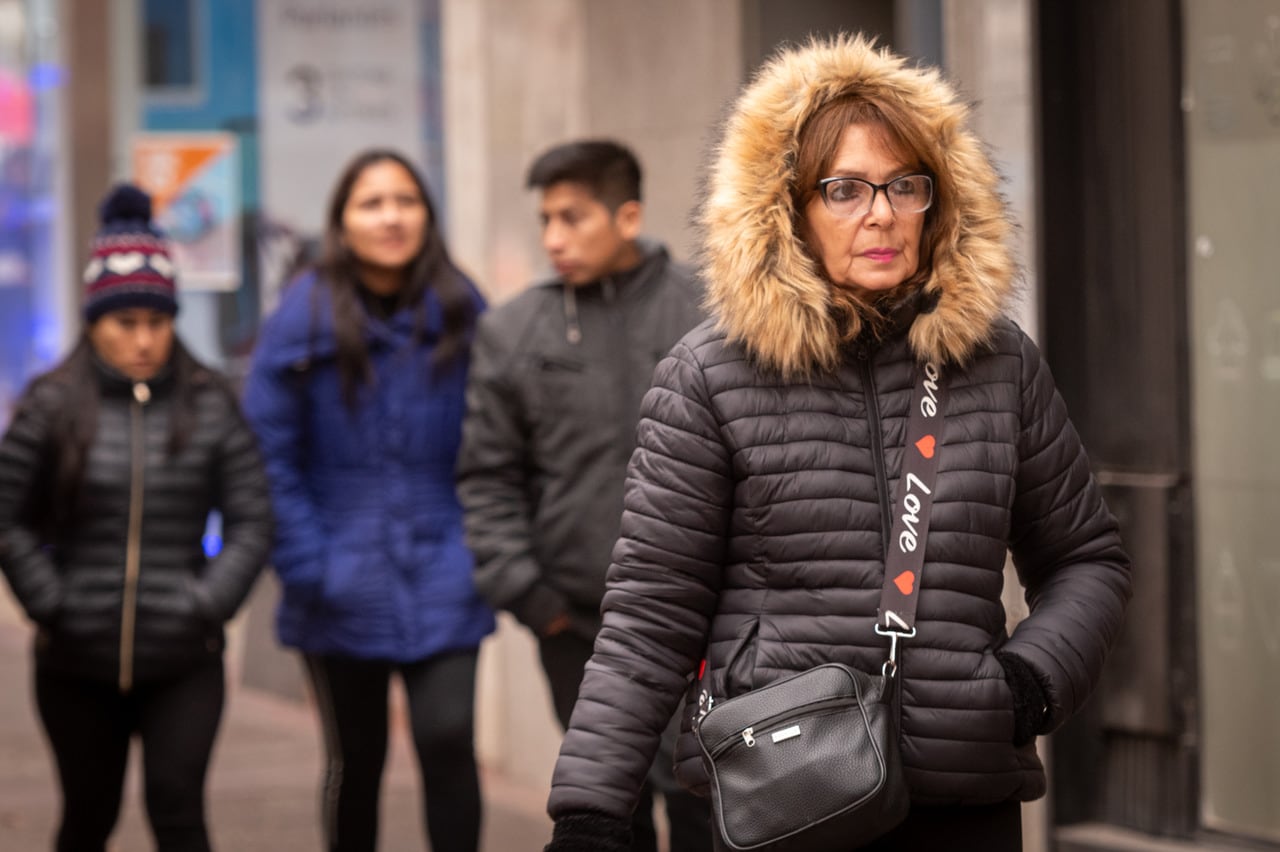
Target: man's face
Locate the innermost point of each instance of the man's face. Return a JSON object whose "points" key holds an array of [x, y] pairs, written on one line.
{"points": [[583, 239]]}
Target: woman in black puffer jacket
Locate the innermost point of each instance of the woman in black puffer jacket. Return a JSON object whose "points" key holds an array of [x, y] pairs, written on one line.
{"points": [[108, 475], [852, 231]]}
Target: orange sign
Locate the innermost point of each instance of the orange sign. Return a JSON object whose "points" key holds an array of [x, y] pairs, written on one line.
{"points": [[164, 168], [194, 183]]}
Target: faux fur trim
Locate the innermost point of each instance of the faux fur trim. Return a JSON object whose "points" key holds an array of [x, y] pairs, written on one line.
{"points": [[763, 287]]}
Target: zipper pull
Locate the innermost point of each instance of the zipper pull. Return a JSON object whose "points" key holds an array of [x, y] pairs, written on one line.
{"points": [[141, 393], [748, 737], [705, 702]]}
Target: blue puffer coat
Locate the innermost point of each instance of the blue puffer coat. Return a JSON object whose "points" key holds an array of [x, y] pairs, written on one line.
{"points": [[369, 544]]}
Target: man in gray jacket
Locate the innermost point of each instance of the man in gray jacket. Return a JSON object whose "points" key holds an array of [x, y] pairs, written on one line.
{"points": [[556, 380]]}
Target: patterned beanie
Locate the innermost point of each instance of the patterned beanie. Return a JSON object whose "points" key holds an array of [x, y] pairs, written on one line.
{"points": [[130, 265]]}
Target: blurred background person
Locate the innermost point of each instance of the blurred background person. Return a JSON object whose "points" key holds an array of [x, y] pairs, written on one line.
{"points": [[108, 474], [356, 393], [551, 415]]}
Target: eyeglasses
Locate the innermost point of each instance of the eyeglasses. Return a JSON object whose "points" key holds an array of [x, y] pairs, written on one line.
{"points": [[851, 197]]}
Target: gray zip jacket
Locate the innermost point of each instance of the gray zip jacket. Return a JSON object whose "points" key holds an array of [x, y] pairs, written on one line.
{"points": [[554, 393]]}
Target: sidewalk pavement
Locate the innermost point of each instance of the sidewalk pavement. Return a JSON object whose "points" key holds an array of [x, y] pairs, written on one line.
{"points": [[263, 785]]}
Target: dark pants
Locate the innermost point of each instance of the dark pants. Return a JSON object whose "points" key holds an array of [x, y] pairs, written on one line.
{"points": [[564, 657], [352, 698], [963, 828], [89, 725]]}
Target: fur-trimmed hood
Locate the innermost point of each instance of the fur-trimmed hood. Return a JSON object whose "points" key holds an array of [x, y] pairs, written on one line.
{"points": [[765, 289]]}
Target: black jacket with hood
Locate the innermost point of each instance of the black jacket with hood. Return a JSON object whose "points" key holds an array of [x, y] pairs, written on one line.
{"points": [[756, 506], [118, 582], [557, 375]]}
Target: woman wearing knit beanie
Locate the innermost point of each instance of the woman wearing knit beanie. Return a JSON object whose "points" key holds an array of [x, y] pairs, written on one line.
{"points": [[108, 473]]}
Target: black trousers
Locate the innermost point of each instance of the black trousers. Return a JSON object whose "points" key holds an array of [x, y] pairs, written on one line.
{"points": [[89, 725], [962, 828], [352, 698], [564, 657]]}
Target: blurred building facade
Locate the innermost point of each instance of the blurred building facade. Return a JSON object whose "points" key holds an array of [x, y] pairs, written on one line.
{"points": [[1141, 142]]}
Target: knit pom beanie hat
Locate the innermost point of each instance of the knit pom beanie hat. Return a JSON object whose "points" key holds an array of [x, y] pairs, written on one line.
{"points": [[130, 265]]}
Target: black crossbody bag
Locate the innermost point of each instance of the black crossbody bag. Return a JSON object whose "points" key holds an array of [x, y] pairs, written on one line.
{"points": [[811, 762]]}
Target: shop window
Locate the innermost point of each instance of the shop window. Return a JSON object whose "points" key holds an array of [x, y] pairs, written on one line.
{"points": [[170, 45], [1232, 105]]}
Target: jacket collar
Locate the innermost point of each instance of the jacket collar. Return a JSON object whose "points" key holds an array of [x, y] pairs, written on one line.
{"points": [[114, 383], [302, 329], [653, 257], [611, 288]]}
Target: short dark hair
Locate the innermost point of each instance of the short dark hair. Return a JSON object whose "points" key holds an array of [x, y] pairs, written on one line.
{"points": [[609, 170]]}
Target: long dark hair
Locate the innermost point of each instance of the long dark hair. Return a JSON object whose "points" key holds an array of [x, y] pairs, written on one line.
{"points": [[431, 269], [75, 421]]}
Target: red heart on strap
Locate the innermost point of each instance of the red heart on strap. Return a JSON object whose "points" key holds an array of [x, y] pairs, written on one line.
{"points": [[906, 582], [925, 445]]}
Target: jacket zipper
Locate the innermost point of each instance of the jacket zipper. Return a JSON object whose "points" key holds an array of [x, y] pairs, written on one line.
{"points": [[133, 546], [748, 735], [877, 447], [622, 366]]}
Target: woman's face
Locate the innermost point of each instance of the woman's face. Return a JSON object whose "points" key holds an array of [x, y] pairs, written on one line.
{"points": [[134, 341], [879, 249], [384, 222]]}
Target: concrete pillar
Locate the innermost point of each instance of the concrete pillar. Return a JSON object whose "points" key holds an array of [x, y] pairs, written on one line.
{"points": [[86, 34], [917, 30], [126, 83], [990, 51], [663, 94], [513, 76], [519, 77]]}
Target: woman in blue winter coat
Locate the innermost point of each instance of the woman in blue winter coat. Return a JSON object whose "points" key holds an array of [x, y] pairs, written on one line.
{"points": [[356, 394]]}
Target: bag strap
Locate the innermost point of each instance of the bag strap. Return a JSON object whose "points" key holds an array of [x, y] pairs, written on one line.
{"points": [[912, 510]]}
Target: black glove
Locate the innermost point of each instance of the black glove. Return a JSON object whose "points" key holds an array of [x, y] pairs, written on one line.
{"points": [[1029, 704], [590, 831]]}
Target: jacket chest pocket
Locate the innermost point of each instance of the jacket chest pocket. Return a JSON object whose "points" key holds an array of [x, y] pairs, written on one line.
{"points": [[562, 388]]}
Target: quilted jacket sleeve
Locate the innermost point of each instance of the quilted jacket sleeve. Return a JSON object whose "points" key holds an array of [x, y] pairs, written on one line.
{"points": [[660, 598], [247, 520], [274, 406], [1067, 549], [26, 564]]}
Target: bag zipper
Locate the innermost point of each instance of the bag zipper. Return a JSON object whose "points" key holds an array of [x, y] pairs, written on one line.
{"points": [[748, 735]]}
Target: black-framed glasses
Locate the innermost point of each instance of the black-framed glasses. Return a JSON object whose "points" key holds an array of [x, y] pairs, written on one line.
{"points": [[850, 196]]}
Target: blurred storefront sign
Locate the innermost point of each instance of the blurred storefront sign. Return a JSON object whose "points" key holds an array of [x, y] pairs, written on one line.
{"points": [[34, 325], [334, 78], [194, 182]]}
